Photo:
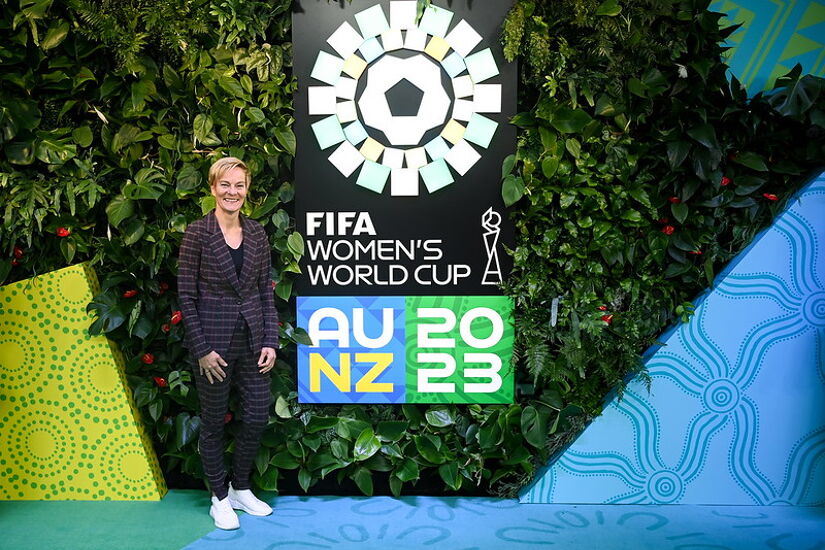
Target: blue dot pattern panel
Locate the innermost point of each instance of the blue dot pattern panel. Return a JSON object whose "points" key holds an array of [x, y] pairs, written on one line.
{"points": [[735, 411]]}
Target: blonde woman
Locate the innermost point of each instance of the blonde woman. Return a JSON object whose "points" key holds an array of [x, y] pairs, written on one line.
{"points": [[225, 293]]}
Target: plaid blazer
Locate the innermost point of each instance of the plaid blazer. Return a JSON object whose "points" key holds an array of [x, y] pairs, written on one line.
{"points": [[211, 295]]}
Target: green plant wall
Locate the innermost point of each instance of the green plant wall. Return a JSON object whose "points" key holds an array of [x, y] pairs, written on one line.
{"points": [[640, 170]]}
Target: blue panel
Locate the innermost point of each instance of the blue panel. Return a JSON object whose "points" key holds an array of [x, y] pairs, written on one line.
{"points": [[773, 37], [331, 351], [735, 414]]}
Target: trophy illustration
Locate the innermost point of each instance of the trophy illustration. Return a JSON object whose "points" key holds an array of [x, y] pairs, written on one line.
{"points": [[490, 221]]}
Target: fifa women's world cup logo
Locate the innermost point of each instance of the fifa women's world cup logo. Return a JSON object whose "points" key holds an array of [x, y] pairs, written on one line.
{"points": [[399, 146]]}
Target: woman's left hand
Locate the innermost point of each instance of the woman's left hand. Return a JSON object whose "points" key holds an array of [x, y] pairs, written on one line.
{"points": [[267, 360]]}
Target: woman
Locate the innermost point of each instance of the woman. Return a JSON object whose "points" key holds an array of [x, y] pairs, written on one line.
{"points": [[225, 293]]}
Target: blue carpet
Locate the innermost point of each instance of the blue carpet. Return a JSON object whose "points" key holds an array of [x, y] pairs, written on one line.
{"points": [[484, 523]]}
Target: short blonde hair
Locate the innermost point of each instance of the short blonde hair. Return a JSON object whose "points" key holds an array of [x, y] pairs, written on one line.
{"points": [[224, 165]]}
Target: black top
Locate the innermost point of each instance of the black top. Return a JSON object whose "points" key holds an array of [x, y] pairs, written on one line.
{"points": [[237, 257]]}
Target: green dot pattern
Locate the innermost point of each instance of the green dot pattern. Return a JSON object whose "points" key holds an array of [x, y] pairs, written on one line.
{"points": [[70, 429]]}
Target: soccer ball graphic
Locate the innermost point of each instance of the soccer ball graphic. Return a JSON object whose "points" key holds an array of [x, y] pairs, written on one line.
{"points": [[431, 48]]}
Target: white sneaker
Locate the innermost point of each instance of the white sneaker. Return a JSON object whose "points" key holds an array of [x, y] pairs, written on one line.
{"points": [[223, 514], [243, 499]]}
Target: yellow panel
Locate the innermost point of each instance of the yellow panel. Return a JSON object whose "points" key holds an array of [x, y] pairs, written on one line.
{"points": [[70, 428], [354, 66], [372, 149], [437, 48], [453, 132]]}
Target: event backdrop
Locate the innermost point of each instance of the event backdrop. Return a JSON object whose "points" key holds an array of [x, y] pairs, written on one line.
{"points": [[402, 127], [734, 414], [775, 35], [70, 429]]}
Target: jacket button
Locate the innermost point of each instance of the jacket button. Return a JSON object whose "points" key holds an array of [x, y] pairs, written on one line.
{"points": [[238, 302]]}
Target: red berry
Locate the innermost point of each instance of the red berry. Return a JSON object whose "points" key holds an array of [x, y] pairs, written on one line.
{"points": [[274, 284], [177, 317], [63, 232], [602, 308], [674, 200], [148, 358], [770, 196], [695, 252], [161, 382], [18, 252], [607, 319], [227, 418], [164, 286], [14, 262], [166, 327], [725, 181], [130, 293], [668, 230], [663, 221]]}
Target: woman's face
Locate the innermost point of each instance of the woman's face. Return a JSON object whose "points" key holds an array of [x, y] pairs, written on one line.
{"points": [[230, 190]]}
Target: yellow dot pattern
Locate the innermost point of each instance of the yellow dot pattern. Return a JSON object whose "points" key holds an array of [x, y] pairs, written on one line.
{"points": [[70, 428]]}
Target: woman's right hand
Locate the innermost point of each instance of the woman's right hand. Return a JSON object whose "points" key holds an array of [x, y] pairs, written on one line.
{"points": [[211, 366]]}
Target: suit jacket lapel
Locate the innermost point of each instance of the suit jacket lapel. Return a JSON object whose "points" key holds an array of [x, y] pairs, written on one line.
{"points": [[218, 245], [251, 249]]}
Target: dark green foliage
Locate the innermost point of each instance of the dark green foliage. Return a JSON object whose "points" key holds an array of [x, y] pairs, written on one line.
{"points": [[640, 171], [110, 112]]}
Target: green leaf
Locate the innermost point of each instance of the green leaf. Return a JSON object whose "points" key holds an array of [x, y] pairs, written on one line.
{"points": [[408, 470], [268, 481], [392, 430], [119, 209], [609, 8], [168, 141], [440, 417], [232, 86], [363, 478], [286, 137], [752, 161], [285, 460], [321, 423], [82, 135], [255, 114], [512, 190], [366, 445], [427, 448], [507, 165], [68, 249], [677, 151], [549, 166], [282, 408], [132, 231], [704, 134], [636, 87], [680, 211], [284, 291], [20, 152], [573, 147], [533, 427], [295, 243], [449, 473], [188, 179], [55, 35], [202, 126], [55, 151], [569, 121], [304, 479]]}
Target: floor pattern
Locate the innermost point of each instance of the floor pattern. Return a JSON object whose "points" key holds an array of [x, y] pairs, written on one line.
{"points": [[460, 523]]}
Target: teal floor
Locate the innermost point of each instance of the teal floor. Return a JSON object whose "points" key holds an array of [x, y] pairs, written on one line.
{"points": [[180, 520]]}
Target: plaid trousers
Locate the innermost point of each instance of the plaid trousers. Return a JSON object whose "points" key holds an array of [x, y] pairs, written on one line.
{"points": [[242, 372]]}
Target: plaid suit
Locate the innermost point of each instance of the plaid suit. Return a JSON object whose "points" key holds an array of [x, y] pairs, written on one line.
{"points": [[236, 317]]}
